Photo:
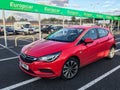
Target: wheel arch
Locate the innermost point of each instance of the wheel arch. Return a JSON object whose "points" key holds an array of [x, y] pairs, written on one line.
{"points": [[76, 57], [114, 45]]}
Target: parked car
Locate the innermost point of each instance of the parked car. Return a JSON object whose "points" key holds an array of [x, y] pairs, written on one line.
{"points": [[116, 28], [36, 28], [47, 29], [1, 29], [56, 28], [9, 30], [50, 29], [23, 28], [63, 52]]}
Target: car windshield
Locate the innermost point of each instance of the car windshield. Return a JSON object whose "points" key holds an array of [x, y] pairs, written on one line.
{"points": [[65, 35], [26, 25]]}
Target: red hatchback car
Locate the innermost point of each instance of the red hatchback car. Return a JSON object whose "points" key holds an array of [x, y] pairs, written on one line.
{"points": [[63, 52]]}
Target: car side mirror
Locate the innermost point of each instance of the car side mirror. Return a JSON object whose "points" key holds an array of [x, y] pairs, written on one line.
{"points": [[88, 40]]}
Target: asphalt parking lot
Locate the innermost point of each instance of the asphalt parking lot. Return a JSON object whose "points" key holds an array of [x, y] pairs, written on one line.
{"points": [[101, 75]]}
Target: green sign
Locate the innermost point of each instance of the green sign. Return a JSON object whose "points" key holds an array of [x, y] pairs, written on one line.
{"points": [[52, 10], [71, 12], [45, 9]]}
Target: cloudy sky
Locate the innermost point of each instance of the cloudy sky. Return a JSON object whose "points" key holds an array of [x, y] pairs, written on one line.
{"points": [[111, 7], [87, 5]]}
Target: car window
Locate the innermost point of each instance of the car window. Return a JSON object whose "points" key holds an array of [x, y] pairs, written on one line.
{"points": [[102, 32], [65, 35], [91, 34]]}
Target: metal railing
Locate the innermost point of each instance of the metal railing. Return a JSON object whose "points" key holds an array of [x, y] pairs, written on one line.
{"points": [[23, 37]]}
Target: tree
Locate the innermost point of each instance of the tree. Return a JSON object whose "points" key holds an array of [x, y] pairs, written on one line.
{"points": [[52, 19], [23, 19], [73, 19], [11, 19]]}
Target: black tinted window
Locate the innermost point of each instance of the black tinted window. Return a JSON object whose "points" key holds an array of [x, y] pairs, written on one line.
{"points": [[91, 34], [102, 32]]}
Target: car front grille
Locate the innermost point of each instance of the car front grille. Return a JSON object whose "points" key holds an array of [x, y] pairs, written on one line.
{"points": [[30, 29], [26, 58]]}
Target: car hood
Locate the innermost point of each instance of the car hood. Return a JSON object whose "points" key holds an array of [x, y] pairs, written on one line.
{"points": [[45, 47]]}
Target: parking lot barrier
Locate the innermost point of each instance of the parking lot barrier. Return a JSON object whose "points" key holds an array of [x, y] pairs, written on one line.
{"points": [[23, 37]]}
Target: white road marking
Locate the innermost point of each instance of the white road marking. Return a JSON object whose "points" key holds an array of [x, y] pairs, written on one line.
{"points": [[9, 49], [118, 43], [5, 59], [21, 84], [117, 50], [12, 47], [99, 78], [13, 51], [82, 88], [2, 46]]}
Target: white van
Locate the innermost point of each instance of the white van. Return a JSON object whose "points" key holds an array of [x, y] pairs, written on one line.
{"points": [[23, 28]]}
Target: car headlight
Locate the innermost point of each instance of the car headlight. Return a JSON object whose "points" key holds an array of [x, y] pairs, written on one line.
{"points": [[50, 57]]}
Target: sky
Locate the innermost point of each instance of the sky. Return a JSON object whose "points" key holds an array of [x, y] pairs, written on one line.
{"points": [[87, 5], [100, 6], [111, 7]]}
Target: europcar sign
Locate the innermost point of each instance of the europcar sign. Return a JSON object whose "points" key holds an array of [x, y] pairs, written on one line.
{"points": [[45, 9], [18, 6]]}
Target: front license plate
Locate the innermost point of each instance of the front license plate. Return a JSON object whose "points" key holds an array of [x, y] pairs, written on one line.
{"points": [[24, 66], [31, 32]]}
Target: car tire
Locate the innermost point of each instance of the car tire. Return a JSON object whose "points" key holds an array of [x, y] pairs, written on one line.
{"points": [[111, 53], [15, 32], [70, 69]]}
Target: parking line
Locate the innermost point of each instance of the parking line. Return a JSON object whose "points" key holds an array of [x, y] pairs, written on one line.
{"points": [[21, 84], [9, 50], [82, 88], [5, 59], [17, 57], [99, 78], [2, 46], [13, 51], [118, 43], [117, 50]]}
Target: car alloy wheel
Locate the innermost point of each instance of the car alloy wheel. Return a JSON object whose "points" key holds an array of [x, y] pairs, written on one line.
{"points": [[111, 53], [70, 68]]}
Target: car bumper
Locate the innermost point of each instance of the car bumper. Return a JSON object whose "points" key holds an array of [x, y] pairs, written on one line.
{"points": [[42, 69], [10, 32], [27, 32]]}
